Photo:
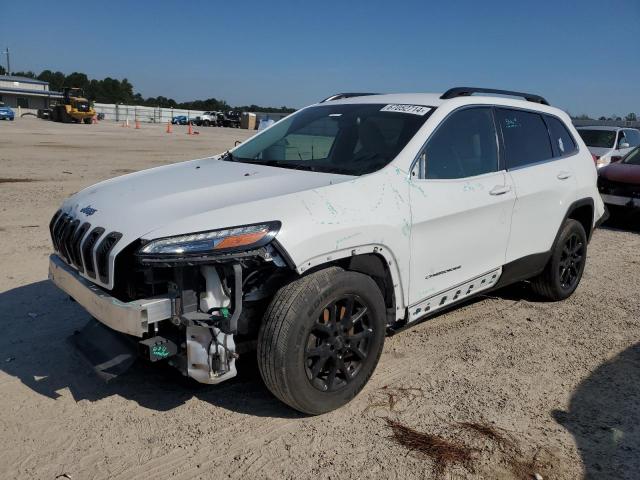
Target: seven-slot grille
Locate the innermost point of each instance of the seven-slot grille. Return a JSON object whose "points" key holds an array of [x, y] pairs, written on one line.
{"points": [[82, 246]]}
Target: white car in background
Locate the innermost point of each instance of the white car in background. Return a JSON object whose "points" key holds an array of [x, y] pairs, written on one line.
{"points": [[609, 144]]}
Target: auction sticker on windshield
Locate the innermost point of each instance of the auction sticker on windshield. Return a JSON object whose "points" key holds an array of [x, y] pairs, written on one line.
{"points": [[413, 109]]}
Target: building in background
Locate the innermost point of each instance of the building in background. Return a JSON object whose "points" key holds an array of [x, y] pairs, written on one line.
{"points": [[27, 93]]}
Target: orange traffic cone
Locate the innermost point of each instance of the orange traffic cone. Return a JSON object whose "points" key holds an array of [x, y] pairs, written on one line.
{"points": [[169, 127], [137, 124], [190, 131]]}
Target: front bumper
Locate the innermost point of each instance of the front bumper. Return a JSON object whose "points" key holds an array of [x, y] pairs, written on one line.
{"points": [[132, 318]]}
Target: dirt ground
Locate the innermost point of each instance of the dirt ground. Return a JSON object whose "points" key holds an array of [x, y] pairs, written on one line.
{"points": [[559, 383]]}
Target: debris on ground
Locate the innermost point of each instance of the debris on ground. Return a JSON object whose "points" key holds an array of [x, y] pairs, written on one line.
{"points": [[443, 452], [389, 397], [17, 180]]}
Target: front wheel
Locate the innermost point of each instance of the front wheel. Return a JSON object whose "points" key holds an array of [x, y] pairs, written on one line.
{"points": [[563, 272], [321, 339]]}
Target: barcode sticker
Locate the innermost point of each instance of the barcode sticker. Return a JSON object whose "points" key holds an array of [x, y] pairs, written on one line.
{"points": [[412, 109]]}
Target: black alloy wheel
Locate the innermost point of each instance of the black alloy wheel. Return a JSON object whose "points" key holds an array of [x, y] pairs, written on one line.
{"points": [[338, 344], [571, 260]]}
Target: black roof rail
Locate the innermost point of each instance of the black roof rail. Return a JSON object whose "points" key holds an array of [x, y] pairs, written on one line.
{"points": [[340, 96], [466, 91]]}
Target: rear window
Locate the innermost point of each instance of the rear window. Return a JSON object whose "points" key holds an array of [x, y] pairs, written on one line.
{"points": [[526, 139], [561, 139], [598, 138]]}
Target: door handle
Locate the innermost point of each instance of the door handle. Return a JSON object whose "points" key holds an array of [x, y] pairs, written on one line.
{"points": [[500, 190], [564, 175]]}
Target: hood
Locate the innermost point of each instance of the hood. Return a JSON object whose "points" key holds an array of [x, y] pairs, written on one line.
{"points": [[5, 109], [599, 152], [621, 173], [141, 202]]}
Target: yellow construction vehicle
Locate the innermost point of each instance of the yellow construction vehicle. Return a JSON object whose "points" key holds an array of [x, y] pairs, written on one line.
{"points": [[74, 107]]}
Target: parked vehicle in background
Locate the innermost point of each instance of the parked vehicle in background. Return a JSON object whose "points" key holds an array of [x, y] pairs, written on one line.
{"points": [[356, 216], [180, 120], [619, 183], [609, 144], [74, 107], [207, 119], [231, 119], [6, 113]]}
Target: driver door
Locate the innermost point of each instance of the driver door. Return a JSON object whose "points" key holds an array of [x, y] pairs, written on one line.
{"points": [[461, 203]]}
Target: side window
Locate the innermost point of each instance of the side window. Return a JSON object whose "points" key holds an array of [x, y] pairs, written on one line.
{"points": [[632, 137], [561, 139], [622, 138], [526, 139], [465, 145]]}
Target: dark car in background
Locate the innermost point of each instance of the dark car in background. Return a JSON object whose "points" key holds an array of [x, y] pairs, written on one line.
{"points": [[619, 183], [180, 120], [6, 113], [230, 119]]}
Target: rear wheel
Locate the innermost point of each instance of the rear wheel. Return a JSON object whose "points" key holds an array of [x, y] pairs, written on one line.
{"points": [[87, 121], [206, 123], [321, 339], [562, 274]]}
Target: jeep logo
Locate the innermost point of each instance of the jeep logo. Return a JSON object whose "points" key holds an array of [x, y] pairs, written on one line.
{"points": [[88, 211]]}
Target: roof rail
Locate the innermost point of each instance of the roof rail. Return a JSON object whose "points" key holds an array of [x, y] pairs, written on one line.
{"points": [[466, 91], [340, 96]]}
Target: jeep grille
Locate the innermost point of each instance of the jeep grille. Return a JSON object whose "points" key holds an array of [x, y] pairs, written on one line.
{"points": [[82, 246]]}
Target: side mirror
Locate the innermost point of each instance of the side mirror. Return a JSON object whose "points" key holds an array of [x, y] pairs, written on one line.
{"points": [[623, 145]]}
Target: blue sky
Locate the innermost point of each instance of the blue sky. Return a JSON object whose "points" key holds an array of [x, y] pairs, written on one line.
{"points": [[582, 55]]}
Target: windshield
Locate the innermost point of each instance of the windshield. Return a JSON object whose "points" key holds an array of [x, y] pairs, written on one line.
{"points": [[353, 139], [632, 158], [598, 138]]}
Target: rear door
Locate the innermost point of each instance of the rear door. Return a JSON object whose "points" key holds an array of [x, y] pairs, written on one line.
{"points": [[543, 177]]}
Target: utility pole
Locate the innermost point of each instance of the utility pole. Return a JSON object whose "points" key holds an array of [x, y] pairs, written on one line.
{"points": [[8, 63]]}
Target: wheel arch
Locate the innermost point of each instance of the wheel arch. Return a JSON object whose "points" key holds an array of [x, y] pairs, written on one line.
{"points": [[583, 211], [376, 261]]}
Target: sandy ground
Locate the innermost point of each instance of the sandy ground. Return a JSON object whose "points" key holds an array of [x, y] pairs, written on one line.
{"points": [[560, 381]]}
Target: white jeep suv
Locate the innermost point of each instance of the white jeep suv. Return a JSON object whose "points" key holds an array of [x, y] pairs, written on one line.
{"points": [[349, 219]]}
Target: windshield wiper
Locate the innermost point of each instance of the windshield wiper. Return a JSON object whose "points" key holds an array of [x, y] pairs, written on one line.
{"points": [[228, 156]]}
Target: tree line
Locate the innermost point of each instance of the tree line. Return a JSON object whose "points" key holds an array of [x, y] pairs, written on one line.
{"points": [[112, 90]]}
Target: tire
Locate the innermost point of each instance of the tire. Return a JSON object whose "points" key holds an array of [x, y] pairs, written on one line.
{"points": [[563, 272], [308, 361], [206, 123], [87, 121]]}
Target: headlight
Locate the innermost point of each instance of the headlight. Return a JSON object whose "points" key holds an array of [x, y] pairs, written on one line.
{"points": [[213, 241]]}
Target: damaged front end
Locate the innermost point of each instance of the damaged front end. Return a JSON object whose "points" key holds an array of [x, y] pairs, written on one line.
{"points": [[195, 301]]}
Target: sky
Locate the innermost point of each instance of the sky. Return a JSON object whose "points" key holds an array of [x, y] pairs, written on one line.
{"points": [[583, 56]]}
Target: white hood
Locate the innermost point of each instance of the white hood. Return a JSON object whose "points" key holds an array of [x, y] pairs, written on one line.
{"points": [[600, 152], [185, 197], [139, 203]]}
